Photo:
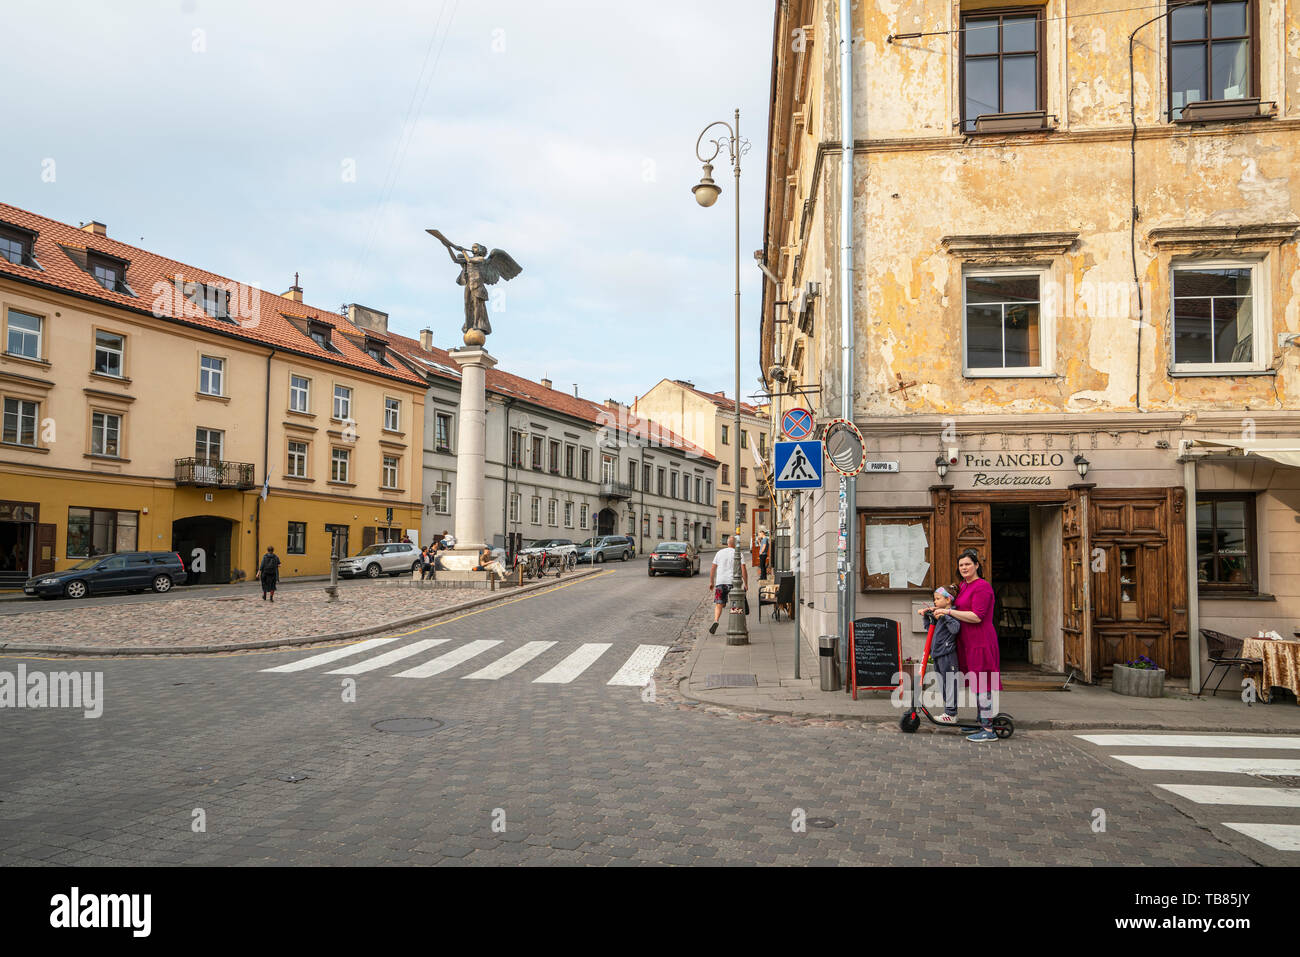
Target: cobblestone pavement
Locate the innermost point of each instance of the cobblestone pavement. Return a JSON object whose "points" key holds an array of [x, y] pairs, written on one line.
{"points": [[285, 768], [243, 617]]}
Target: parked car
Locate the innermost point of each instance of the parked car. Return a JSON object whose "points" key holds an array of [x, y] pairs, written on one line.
{"points": [[120, 571], [631, 542], [554, 546], [386, 558], [605, 548], [676, 558]]}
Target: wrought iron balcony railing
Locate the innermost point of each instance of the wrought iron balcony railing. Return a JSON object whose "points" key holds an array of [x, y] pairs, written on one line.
{"points": [[609, 489], [214, 473]]}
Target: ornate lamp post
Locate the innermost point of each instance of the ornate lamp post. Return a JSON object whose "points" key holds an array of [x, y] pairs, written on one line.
{"points": [[706, 194]]}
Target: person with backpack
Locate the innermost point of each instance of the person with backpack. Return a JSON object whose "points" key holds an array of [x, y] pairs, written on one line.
{"points": [[269, 572]]}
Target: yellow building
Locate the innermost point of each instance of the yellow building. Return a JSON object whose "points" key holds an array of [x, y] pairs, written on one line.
{"points": [[146, 403]]}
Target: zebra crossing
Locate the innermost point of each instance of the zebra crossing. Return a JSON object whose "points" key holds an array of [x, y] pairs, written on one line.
{"points": [[1267, 812], [448, 655]]}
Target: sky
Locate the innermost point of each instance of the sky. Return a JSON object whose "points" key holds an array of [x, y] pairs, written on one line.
{"points": [[257, 139]]}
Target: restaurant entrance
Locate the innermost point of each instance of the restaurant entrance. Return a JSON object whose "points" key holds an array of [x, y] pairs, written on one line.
{"points": [[1010, 573]]}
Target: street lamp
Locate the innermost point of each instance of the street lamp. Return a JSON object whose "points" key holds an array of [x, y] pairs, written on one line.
{"points": [[706, 194]]}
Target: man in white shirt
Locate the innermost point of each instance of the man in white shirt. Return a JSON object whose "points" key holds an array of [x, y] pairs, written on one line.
{"points": [[720, 573]]}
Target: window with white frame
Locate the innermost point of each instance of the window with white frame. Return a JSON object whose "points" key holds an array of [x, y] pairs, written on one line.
{"points": [[20, 418], [442, 431], [209, 446], [535, 510], [516, 449], [442, 498], [109, 348], [607, 469], [24, 336], [553, 512], [393, 415], [645, 525], [568, 515], [299, 393], [514, 506], [1004, 328], [1219, 324], [708, 491], [583, 515], [586, 465], [340, 462], [105, 433], [342, 403], [390, 470], [298, 459], [212, 375]]}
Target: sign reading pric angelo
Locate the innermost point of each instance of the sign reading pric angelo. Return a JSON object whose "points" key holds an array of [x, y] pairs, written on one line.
{"points": [[1016, 462]]}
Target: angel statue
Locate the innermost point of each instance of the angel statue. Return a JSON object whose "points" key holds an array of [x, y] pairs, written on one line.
{"points": [[478, 269]]}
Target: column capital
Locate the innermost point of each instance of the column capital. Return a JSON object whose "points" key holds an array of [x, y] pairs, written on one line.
{"points": [[472, 356]]}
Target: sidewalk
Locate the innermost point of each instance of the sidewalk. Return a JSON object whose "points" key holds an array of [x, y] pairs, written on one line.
{"points": [[769, 658]]}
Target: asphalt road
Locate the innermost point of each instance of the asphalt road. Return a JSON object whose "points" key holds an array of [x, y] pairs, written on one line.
{"points": [[540, 756]]}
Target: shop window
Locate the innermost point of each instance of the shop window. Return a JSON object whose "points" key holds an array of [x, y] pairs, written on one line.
{"points": [[98, 531], [1003, 329], [1225, 543], [1218, 325]]}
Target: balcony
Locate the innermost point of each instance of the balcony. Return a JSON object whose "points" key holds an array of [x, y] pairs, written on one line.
{"points": [[213, 473], [612, 489]]}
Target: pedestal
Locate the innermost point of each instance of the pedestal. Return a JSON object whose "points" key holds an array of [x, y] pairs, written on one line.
{"points": [[470, 457]]}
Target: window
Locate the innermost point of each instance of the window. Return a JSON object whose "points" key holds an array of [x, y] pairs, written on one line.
{"points": [[699, 488], [516, 449], [538, 442], [299, 393], [725, 510], [740, 513], [726, 475], [342, 403], [535, 511], [555, 456], [109, 347], [661, 526], [212, 298], [570, 451], [442, 498], [607, 469], [568, 515], [1002, 329], [209, 444], [390, 470], [393, 416], [16, 246], [98, 531], [659, 476], [672, 484], [340, 459], [1216, 320], [109, 273], [552, 512], [586, 465], [706, 534], [212, 375], [631, 523], [645, 525], [582, 516], [762, 444], [442, 438], [631, 474], [375, 348], [514, 506], [295, 539], [320, 334], [1211, 54], [708, 491], [1001, 64], [298, 459], [1225, 542], [24, 337], [725, 436], [645, 477], [744, 478], [744, 438], [20, 418], [105, 430]]}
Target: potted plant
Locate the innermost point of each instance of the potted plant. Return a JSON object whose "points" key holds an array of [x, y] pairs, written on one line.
{"points": [[1139, 678]]}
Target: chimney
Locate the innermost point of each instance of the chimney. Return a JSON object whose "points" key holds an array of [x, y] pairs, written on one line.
{"points": [[546, 383], [575, 390], [426, 340], [294, 292], [95, 228], [611, 404], [372, 320]]}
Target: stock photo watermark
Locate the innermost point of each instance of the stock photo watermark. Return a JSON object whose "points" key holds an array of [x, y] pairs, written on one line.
{"points": [[56, 689]]}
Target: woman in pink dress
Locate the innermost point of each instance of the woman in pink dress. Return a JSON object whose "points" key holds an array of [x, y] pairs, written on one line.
{"points": [[977, 642]]}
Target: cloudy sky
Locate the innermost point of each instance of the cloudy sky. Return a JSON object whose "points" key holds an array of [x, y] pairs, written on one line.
{"points": [[258, 139]]}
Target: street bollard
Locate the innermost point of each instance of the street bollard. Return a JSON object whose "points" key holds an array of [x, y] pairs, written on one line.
{"points": [[830, 666]]}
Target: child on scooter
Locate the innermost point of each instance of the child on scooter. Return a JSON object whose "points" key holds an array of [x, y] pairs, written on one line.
{"points": [[943, 649]]}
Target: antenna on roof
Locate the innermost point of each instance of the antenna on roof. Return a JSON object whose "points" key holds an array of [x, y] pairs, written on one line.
{"points": [[295, 277]]}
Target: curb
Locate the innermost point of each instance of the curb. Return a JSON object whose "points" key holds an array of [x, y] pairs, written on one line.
{"points": [[97, 651], [19, 595]]}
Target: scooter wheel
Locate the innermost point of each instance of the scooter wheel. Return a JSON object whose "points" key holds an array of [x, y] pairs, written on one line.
{"points": [[909, 722], [1003, 726]]}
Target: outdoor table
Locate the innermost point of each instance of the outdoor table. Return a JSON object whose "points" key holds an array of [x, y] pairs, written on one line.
{"points": [[1281, 666]]}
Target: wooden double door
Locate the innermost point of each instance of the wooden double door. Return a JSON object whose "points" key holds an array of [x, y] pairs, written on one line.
{"points": [[1123, 570]]}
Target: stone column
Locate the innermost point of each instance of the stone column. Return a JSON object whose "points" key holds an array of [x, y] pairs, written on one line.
{"points": [[474, 361]]}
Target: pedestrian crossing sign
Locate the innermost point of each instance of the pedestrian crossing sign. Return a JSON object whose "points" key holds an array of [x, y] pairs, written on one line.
{"points": [[798, 465]]}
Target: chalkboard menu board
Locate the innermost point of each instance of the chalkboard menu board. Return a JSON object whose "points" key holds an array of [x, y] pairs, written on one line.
{"points": [[873, 654]]}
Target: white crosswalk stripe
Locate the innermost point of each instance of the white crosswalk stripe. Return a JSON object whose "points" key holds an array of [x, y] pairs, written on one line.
{"points": [[1266, 801], [636, 671], [512, 662], [388, 657], [450, 660], [323, 659], [574, 665]]}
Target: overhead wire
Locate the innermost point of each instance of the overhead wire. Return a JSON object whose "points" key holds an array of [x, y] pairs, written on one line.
{"points": [[1069, 16]]}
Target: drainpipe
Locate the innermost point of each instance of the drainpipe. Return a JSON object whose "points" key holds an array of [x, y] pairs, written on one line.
{"points": [[847, 381], [1193, 583], [266, 462], [505, 479]]}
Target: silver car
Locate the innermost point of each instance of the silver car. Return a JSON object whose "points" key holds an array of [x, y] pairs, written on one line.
{"points": [[393, 558]]}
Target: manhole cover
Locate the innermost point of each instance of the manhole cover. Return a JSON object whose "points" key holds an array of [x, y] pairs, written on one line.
{"points": [[731, 681], [416, 726], [822, 822]]}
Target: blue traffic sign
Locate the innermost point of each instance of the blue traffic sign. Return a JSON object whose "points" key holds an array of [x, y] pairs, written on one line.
{"points": [[797, 424], [797, 464]]}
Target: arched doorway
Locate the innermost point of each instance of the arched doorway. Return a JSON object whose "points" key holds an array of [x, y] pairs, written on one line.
{"points": [[606, 521], [211, 534]]}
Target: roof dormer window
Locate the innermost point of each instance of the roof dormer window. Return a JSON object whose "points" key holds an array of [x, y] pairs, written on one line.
{"points": [[320, 334], [212, 298], [108, 271], [376, 349], [16, 246]]}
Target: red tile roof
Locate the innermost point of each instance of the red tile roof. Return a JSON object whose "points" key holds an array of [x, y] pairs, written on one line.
{"points": [[517, 387], [719, 399], [153, 279]]}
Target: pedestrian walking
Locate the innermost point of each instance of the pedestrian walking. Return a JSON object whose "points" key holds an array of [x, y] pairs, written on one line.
{"points": [[720, 575], [763, 553], [977, 642], [269, 572]]}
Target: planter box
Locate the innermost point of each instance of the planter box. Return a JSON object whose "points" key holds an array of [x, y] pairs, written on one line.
{"points": [[1205, 110], [1012, 122], [1138, 682]]}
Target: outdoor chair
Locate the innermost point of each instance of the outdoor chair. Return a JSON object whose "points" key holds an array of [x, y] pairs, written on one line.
{"points": [[1224, 651], [782, 593]]}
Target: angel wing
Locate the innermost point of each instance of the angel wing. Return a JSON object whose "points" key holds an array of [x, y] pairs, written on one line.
{"points": [[498, 264]]}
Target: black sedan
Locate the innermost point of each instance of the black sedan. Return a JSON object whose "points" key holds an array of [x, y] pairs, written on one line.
{"points": [[677, 558]]}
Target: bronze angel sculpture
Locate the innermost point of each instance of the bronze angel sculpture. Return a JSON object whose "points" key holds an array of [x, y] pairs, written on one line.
{"points": [[478, 270]]}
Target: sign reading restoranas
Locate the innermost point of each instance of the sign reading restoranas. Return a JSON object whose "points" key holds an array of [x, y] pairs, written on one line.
{"points": [[896, 552], [1014, 469]]}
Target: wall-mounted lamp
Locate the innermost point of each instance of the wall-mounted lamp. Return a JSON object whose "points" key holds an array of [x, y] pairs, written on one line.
{"points": [[941, 466], [1081, 464]]}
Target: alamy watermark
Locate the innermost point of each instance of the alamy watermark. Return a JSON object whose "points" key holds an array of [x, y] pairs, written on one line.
{"points": [[57, 689]]}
